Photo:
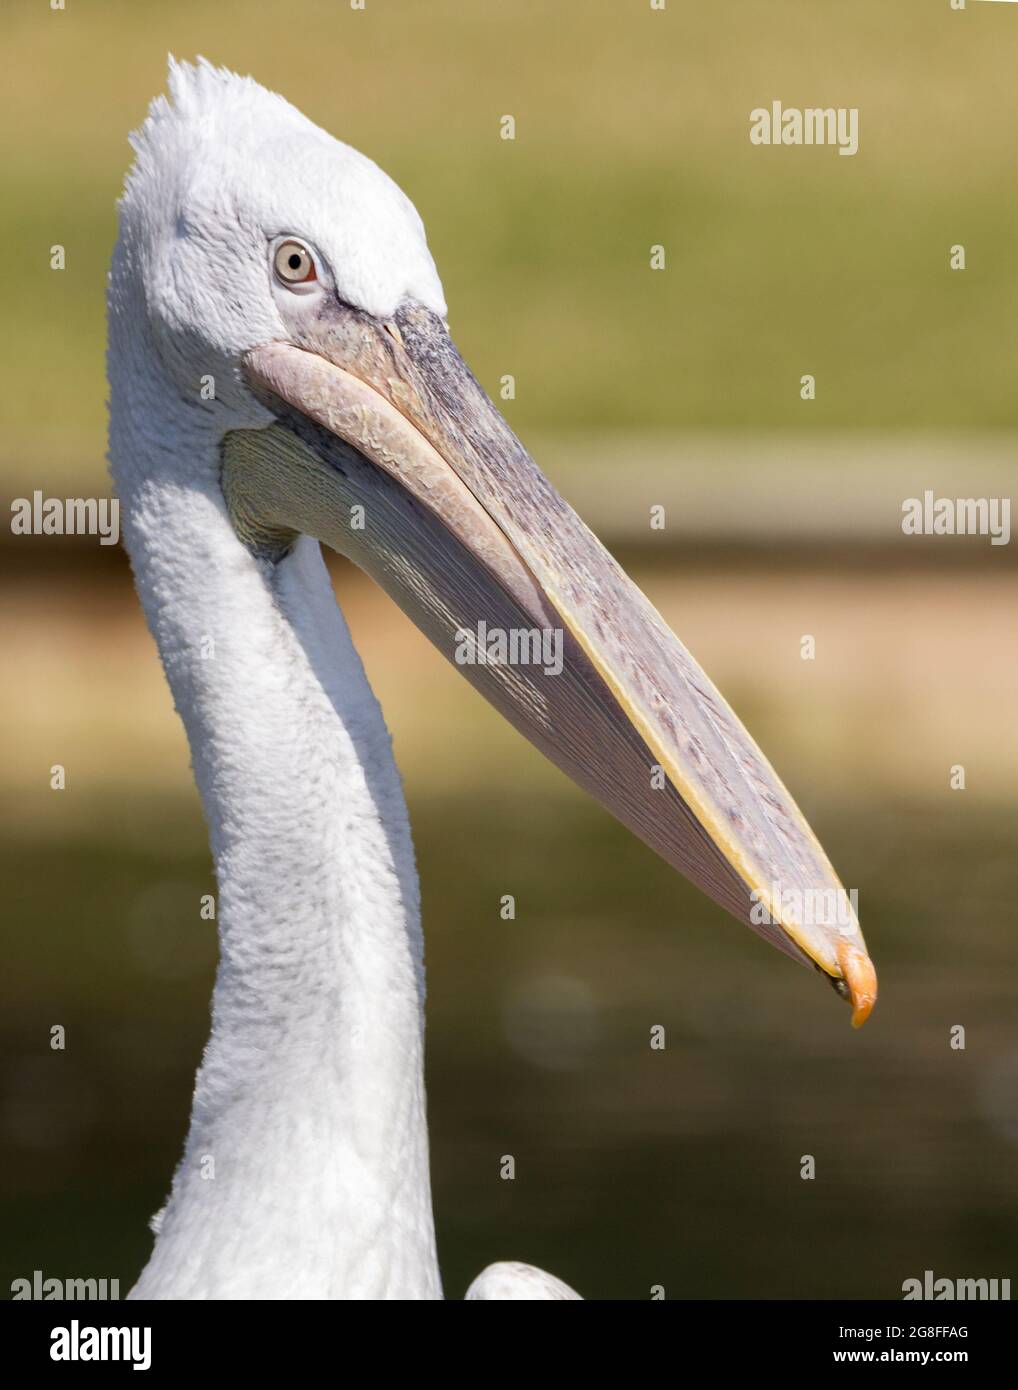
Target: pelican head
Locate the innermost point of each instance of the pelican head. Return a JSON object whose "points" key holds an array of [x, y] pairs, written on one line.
{"points": [[286, 294]]}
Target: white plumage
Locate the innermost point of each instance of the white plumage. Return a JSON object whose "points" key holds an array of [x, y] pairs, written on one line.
{"points": [[305, 1173], [309, 1105]]}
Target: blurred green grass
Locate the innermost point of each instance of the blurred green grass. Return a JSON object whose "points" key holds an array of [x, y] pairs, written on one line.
{"points": [[632, 130]]}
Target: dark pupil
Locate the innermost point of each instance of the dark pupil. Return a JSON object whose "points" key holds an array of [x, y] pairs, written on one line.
{"points": [[293, 260]]}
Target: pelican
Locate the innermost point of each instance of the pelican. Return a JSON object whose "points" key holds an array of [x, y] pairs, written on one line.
{"points": [[281, 376]]}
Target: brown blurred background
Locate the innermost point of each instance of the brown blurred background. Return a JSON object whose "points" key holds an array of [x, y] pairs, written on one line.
{"points": [[634, 388]]}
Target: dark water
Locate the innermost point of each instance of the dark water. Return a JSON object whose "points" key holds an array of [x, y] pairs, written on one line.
{"points": [[634, 1167]]}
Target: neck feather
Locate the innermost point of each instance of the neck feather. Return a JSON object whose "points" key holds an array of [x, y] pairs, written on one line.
{"points": [[305, 1173]]}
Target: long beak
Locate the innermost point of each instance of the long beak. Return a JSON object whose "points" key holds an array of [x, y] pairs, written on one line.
{"points": [[386, 449]]}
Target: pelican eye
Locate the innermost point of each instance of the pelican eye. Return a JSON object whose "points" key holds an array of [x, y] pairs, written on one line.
{"points": [[294, 263]]}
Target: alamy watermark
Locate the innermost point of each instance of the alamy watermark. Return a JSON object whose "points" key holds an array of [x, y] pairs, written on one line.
{"points": [[78, 1343], [813, 125], [957, 516], [934, 1289], [805, 907], [66, 516], [514, 646], [42, 1288]]}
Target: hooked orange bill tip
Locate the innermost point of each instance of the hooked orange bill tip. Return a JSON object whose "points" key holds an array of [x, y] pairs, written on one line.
{"points": [[860, 977]]}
